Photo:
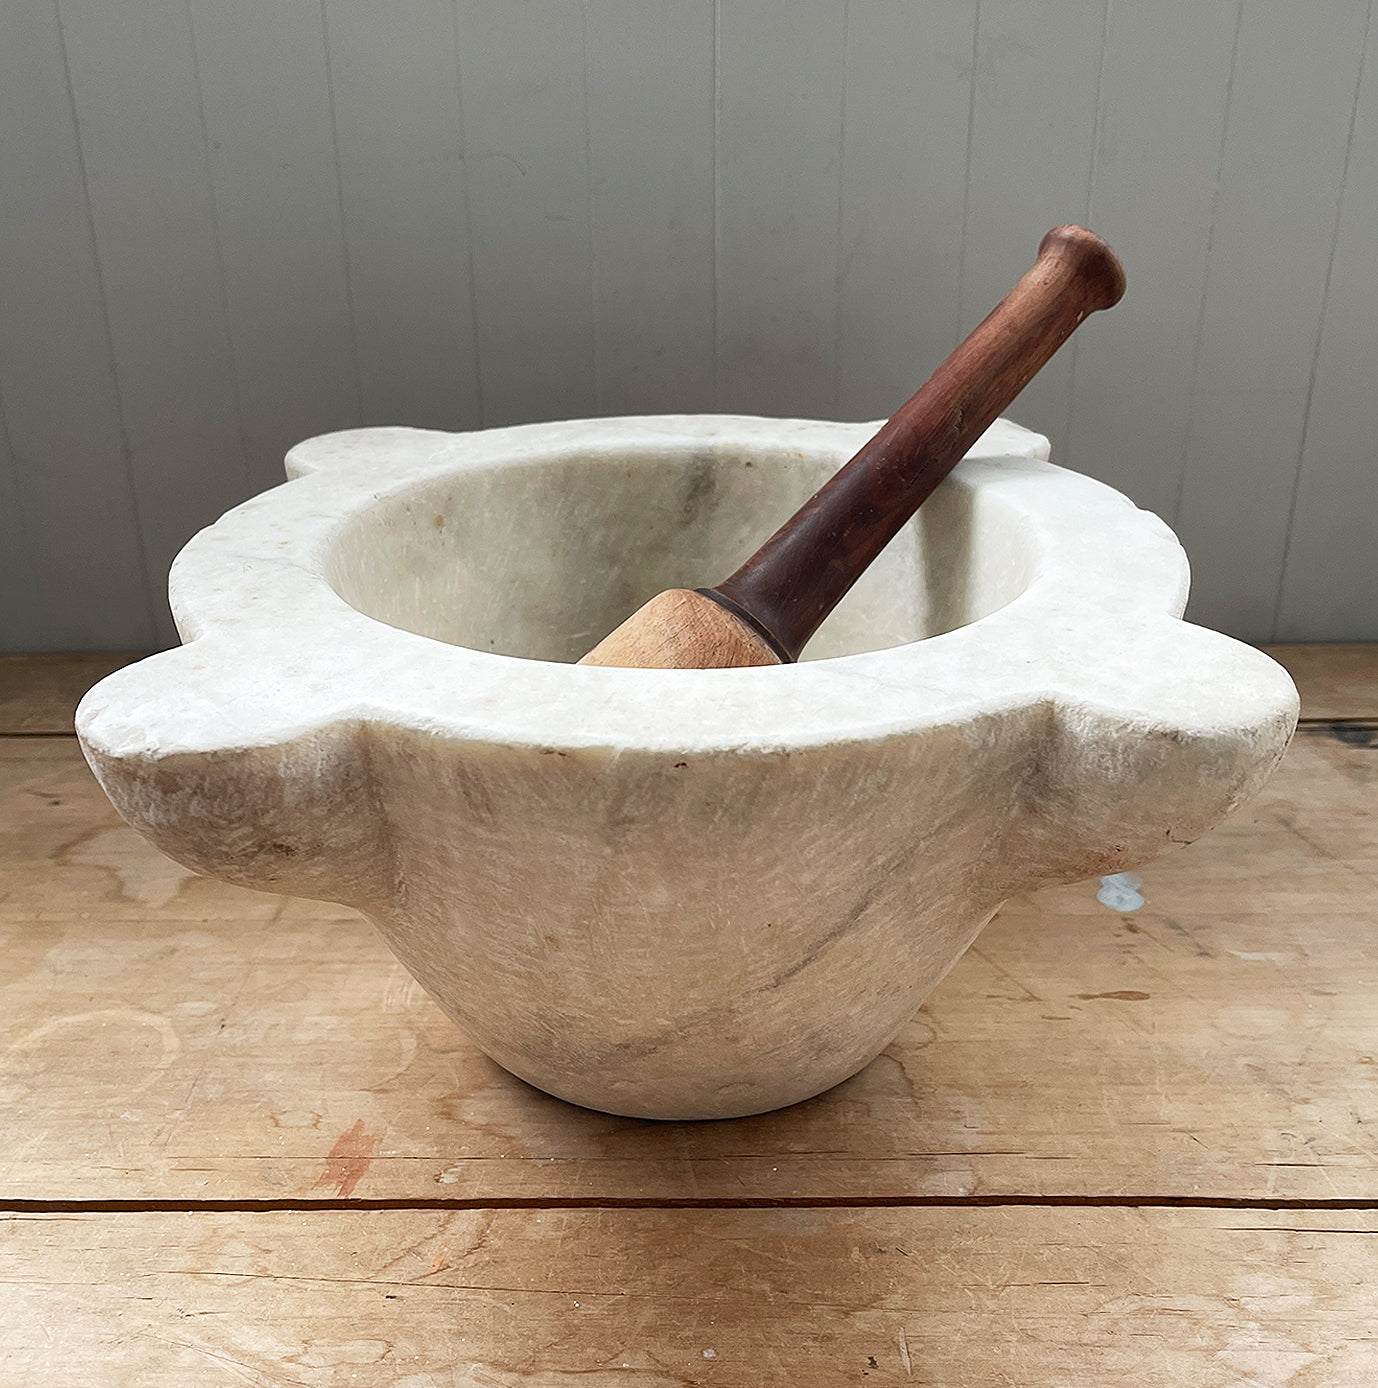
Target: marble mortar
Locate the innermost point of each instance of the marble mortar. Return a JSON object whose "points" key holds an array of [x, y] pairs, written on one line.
{"points": [[674, 893]]}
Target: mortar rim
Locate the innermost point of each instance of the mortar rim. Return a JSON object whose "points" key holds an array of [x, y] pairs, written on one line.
{"points": [[1077, 613]]}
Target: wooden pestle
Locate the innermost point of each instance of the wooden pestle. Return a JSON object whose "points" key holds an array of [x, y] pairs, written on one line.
{"points": [[766, 611]]}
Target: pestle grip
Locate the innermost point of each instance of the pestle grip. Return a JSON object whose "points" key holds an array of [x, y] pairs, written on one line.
{"points": [[782, 594], [804, 570]]}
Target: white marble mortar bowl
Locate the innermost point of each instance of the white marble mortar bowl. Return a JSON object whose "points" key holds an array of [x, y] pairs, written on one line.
{"points": [[674, 893]]}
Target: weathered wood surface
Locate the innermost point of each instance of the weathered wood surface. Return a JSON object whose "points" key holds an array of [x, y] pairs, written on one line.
{"points": [[166, 1037], [1339, 681], [204, 1089], [40, 693], [948, 1298]]}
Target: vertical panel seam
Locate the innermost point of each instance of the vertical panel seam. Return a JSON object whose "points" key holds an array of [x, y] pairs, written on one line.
{"points": [[966, 186], [1097, 125], [468, 216], [1206, 269], [1093, 164], [25, 524], [7, 442], [340, 204], [591, 212], [838, 265], [217, 249], [126, 446], [1320, 328], [717, 200]]}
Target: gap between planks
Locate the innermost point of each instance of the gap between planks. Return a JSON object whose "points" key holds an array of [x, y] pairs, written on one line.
{"points": [[878, 1202]]}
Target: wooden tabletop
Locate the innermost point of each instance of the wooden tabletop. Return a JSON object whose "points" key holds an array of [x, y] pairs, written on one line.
{"points": [[1115, 1146]]}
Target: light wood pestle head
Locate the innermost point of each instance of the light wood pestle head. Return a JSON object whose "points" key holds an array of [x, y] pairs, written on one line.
{"points": [[765, 612], [682, 630]]}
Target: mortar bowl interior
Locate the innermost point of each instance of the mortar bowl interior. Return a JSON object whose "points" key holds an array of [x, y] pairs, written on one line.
{"points": [[541, 559]]}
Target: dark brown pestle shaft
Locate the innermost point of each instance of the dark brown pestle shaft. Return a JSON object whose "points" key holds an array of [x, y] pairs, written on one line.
{"points": [[772, 605], [804, 570]]}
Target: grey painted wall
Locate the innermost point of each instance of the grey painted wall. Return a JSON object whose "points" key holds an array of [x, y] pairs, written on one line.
{"points": [[228, 226]]}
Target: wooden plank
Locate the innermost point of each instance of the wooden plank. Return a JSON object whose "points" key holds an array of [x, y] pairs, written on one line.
{"points": [[1033, 131], [779, 146], [265, 88], [908, 86], [651, 173], [1335, 682], [526, 156], [67, 502], [653, 1298], [139, 112], [169, 1037], [1330, 583], [40, 694], [1162, 114], [1291, 102], [395, 90]]}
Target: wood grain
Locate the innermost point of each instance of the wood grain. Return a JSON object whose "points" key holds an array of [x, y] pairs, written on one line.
{"points": [[680, 629], [1077, 1298], [1335, 682], [40, 694], [170, 1037], [1070, 1169]]}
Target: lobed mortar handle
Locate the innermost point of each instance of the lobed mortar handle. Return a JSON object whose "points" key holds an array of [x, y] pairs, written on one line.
{"points": [[1148, 757], [279, 809]]}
